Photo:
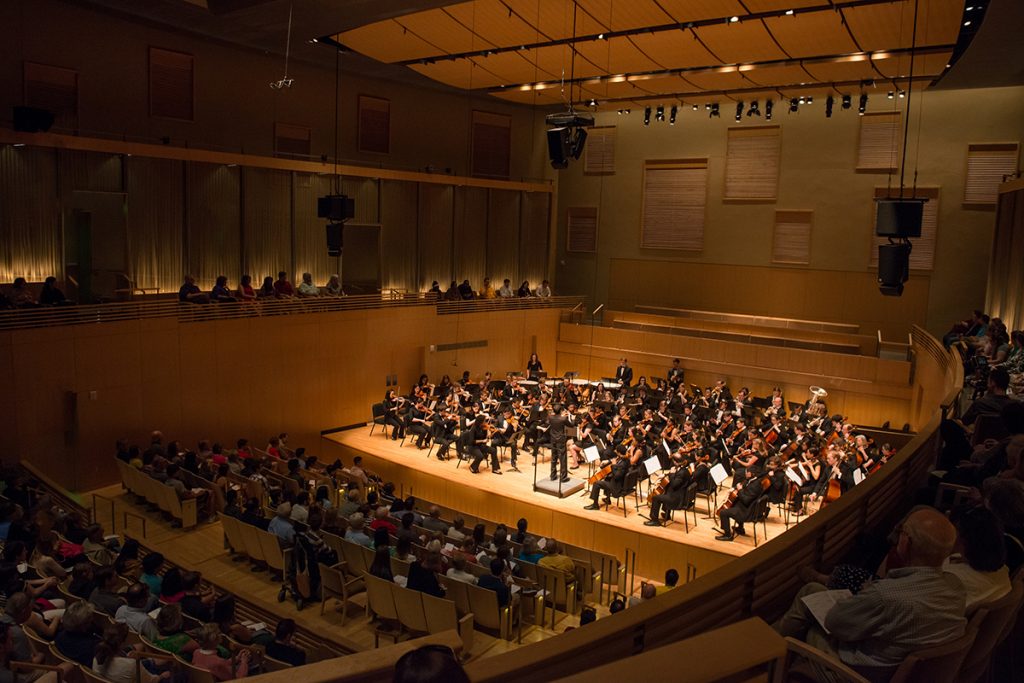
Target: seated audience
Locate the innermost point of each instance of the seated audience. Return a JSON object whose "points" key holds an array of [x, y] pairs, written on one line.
{"points": [[282, 288], [76, 639], [429, 664], [283, 649], [172, 636], [104, 596], [221, 293], [497, 582], [207, 656], [458, 571], [333, 287], [355, 532], [423, 575], [189, 293], [51, 294], [136, 612], [307, 288], [110, 662]]}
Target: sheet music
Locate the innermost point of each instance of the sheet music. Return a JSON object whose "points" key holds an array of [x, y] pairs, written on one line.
{"points": [[667, 449], [794, 477], [821, 603], [718, 474], [592, 454], [652, 465], [858, 476]]}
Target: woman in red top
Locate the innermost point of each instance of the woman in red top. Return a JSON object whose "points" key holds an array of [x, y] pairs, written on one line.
{"points": [[245, 291], [206, 657]]}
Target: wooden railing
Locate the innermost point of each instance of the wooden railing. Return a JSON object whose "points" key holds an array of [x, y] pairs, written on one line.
{"points": [[186, 312], [760, 583]]}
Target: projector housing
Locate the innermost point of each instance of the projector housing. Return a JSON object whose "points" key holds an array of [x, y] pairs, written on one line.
{"points": [[570, 119]]}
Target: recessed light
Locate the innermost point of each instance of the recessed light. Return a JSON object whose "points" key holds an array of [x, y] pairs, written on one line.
{"points": [[967, 23], [789, 13], [733, 20]]}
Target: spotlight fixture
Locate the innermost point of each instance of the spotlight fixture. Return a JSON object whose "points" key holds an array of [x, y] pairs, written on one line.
{"points": [[846, 101], [672, 115], [754, 110], [794, 105], [696, 107], [647, 116], [890, 94], [768, 110], [707, 106], [863, 106], [903, 93], [659, 114], [733, 20], [592, 103], [802, 100], [810, 100], [714, 111], [620, 112], [829, 101], [739, 110]]}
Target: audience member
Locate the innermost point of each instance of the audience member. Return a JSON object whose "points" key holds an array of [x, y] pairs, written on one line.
{"points": [[307, 288], [429, 664], [75, 640], [355, 532], [110, 662], [171, 627], [52, 296], [496, 581], [189, 293], [283, 649], [207, 656]]}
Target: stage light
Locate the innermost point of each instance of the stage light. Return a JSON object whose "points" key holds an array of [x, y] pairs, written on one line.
{"points": [[789, 13], [863, 106], [739, 110], [903, 93], [768, 110], [754, 110], [794, 105], [890, 94], [810, 100], [829, 101], [846, 101], [647, 116], [714, 111], [660, 113], [733, 20], [672, 115]]}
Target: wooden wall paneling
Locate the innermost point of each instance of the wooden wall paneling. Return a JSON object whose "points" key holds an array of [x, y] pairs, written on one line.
{"points": [[534, 235], [29, 214], [470, 241], [434, 234], [214, 222], [156, 221], [310, 239], [503, 237], [90, 171], [366, 192], [398, 235], [266, 226]]}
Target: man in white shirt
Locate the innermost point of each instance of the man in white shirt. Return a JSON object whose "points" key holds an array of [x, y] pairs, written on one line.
{"points": [[505, 292], [307, 288], [544, 290], [458, 571]]}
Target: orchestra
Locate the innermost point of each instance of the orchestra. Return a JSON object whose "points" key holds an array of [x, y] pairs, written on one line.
{"points": [[671, 435]]}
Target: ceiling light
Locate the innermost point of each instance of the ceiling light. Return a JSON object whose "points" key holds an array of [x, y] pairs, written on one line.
{"points": [[733, 20], [829, 101], [794, 105], [903, 93], [739, 110], [620, 112], [789, 13], [600, 36], [754, 110], [707, 106], [768, 110], [627, 111], [672, 115], [970, 9], [714, 111], [647, 116], [863, 106], [593, 103], [846, 101], [967, 23], [696, 107], [18, 144], [890, 94], [660, 113]]}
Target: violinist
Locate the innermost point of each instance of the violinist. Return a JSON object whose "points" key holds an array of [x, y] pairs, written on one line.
{"points": [[736, 435], [534, 367], [672, 497], [612, 484], [811, 470], [392, 405], [505, 435], [443, 431], [482, 447], [584, 439], [779, 483], [417, 422], [752, 459], [745, 496], [467, 426]]}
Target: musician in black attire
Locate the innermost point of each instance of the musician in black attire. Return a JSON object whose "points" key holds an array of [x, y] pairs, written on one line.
{"points": [[534, 367], [612, 484], [747, 495], [533, 434], [482, 448], [558, 423], [672, 498], [416, 423], [467, 422], [624, 373], [391, 417], [443, 433], [675, 375], [506, 435]]}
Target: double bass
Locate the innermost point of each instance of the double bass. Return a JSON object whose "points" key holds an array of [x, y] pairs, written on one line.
{"points": [[765, 482]]}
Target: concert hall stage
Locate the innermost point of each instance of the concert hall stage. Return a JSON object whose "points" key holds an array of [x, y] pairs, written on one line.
{"points": [[508, 497]]}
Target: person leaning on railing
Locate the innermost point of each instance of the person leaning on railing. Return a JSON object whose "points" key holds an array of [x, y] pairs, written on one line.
{"points": [[189, 293]]}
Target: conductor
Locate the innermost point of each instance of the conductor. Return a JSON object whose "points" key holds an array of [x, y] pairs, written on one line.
{"points": [[557, 424]]}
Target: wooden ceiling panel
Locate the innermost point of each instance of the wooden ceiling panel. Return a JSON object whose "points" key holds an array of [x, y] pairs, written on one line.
{"points": [[606, 90], [820, 33], [459, 73], [743, 41], [778, 75], [490, 19], [617, 56], [730, 80], [881, 27], [832, 72], [387, 41], [757, 6], [622, 16], [557, 59], [924, 65], [514, 67], [662, 85], [438, 28], [541, 98], [683, 11], [553, 18], [675, 50]]}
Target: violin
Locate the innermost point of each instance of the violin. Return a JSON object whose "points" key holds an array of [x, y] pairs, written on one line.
{"points": [[765, 483]]}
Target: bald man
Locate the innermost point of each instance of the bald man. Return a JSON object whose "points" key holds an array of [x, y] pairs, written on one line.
{"points": [[914, 607]]}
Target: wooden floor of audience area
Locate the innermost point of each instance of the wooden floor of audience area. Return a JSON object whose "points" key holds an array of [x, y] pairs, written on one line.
{"points": [[202, 549], [510, 496]]}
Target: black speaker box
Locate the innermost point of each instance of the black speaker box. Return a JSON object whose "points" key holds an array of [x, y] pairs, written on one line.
{"points": [[893, 268], [336, 207], [559, 147], [334, 239], [32, 120], [899, 217]]}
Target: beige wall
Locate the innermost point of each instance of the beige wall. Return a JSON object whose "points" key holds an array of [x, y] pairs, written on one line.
{"points": [[734, 272], [249, 377], [235, 109]]}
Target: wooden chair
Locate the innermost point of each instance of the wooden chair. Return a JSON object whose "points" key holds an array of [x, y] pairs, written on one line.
{"points": [[486, 612], [270, 664], [941, 663], [805, 663], [42, 668], [380, 601], [441, 615], [409, 604], [335, 584], [195, 674], [1001, 615]]}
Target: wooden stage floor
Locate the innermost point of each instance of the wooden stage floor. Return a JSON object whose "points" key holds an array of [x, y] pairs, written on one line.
{"points": [[510, 496]]}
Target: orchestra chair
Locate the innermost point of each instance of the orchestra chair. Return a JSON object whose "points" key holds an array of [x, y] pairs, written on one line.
{"points": [[688, 507], [378, 419], [758, 515], [806, 663], [630, 485], [992, 631], [710, 497]]}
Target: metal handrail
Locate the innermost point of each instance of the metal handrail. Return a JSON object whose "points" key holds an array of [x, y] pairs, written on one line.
{"points": [[189, 312]]}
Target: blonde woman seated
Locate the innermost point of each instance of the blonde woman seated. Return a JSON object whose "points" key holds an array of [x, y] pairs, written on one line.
{"points": [[118, 664], [173, 638], [207, 656]]}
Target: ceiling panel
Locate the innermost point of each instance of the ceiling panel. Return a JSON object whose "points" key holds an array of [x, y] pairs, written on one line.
{"points": [[662, 84], [606, 90], [534, 97], [622, 15], [439, 28], [513, 67], [842, 71], [731, 80], [743, 41], [553, 18], [880, 27], [491, 20], [557, 59], [386, 41], [459, 73], [924, 65], [757, 6], [698, 10], [778, 75], [617, 56], [674, 49], [820, 33]]}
